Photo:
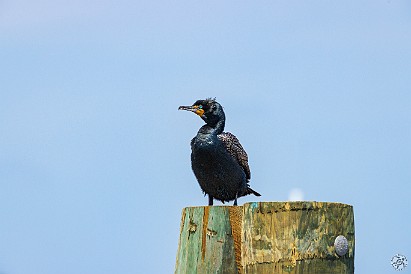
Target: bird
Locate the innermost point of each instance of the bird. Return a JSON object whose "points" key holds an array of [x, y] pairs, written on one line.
{"points": [[218, 160]]}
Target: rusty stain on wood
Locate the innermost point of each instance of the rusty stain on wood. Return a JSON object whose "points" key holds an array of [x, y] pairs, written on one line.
{"points": [[236, 216], [204, 232]]}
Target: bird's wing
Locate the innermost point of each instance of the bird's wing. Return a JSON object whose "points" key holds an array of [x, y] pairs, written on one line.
{"points": [[233, 146]]}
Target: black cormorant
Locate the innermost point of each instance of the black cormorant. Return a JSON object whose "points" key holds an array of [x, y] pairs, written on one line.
{"points": [[218, 160]]}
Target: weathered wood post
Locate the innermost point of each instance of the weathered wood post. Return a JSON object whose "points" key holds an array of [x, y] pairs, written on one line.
{"points": [[266, 237]]}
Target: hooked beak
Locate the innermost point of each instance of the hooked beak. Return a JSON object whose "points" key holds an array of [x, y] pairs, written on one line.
{"points": [[189, 108], [195, 109]]}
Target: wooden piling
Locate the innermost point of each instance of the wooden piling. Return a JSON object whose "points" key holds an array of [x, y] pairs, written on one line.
{"points": [[266, 237]]}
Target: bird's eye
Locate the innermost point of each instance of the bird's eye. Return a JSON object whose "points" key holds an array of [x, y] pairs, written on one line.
{"points": [[200, 106]]}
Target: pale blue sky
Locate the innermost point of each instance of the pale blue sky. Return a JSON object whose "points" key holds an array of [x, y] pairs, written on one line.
{"points": [[95, 158]]}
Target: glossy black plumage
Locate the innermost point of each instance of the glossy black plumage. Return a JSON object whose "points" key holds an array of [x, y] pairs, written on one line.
{"points": [[218, 160]]}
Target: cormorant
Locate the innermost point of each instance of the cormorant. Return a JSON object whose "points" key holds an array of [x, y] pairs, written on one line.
{"points": [[218, 160]]}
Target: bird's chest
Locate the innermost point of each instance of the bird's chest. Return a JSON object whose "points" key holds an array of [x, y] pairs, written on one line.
{"points": [[209, 158], [204, 147]]}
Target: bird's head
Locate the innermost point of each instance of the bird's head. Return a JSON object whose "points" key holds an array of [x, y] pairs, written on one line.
{"points": [[209, 110]]}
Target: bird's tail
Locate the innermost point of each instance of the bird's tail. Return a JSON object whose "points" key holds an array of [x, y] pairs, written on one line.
{"points": [[249, 191]]}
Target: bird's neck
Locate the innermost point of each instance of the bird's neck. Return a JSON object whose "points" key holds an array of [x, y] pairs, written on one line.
{"points": [[219, 128], [213, 129]]}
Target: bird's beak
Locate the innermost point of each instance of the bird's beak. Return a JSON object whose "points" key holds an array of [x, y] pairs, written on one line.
{"points": [[194, 109], [189, 108]]}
